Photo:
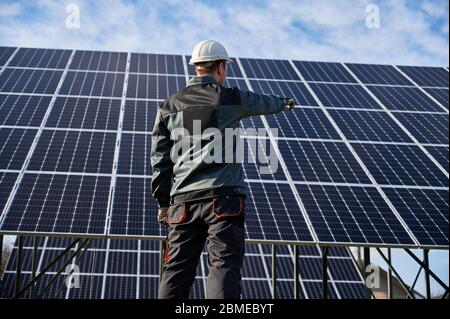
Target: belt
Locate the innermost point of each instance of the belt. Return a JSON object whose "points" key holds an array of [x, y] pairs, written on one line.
{"points": [[206, 193]]}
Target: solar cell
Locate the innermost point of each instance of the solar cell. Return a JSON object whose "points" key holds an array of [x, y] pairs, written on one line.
{"points": [[269, 69], [156, 63], [29, 80], [272, 213], [145, 86], [134, 156], [52, 203], [92, 84], [5, 54], [303, 122], [393, 164], [84, 113], [426, 128], [139, 116], [14, 147], [425, 211], [440, 154], [368, 126], [351, 215], [324, 72], [41, 58], [378, 74], [427, 76], [74, 151], [321, 162], [7, 181], [404, 99], [132, 209], [23, 110], [260, 162], [441, 95], [295, 90], [99, 61], [343, 95]]}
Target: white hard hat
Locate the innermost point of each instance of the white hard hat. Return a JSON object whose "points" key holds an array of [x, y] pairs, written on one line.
{"points": [[209, 50]]}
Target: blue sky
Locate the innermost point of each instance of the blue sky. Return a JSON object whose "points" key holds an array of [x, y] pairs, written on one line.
{"points": [[410, 32]]}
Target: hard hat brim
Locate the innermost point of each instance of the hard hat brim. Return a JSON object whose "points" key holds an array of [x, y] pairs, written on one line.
{"points": [[209, 59]]}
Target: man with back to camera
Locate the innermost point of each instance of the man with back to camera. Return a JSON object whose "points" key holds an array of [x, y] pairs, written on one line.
{"points": [[201, 201]]}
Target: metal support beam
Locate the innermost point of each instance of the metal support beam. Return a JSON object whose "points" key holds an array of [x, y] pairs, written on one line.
{"points": [[274, 272], [416, 278], [325, 272], [1, 251], [432, 274], [19, 263], [426, 267], [402, 283], [366, 253], [296, 281], [47, 268], [76, 255], [162, 245], [34, 259], [389, 276]]}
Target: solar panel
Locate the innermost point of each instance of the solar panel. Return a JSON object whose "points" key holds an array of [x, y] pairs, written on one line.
{"points": [[368, 126], [60, 204], [425, 211], [302, 122], [351, 215], [404, 99], [323, 72], [441, 95], [321, 162], [41, 58], [130, 269], [426, 128], [5, 54], [23, 110], [427, 76], [440, 154], [378, 74], [99, 61], [93, 84], [343, 96], [392, 164], [84, 113], [75, 138], [29, 80]]}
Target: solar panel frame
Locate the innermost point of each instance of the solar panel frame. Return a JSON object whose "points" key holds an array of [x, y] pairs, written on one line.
{"points": [[135, 265]]}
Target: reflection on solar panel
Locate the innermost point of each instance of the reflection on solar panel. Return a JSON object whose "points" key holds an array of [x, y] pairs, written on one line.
{"points": [[130, 269], [362, 160]]}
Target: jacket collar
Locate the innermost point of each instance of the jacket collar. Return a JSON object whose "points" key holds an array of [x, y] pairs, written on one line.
{"points": [[205, 79]]}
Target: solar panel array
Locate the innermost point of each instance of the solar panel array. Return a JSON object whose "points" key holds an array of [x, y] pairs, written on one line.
{"points": [[363, 160], [119, 269]]}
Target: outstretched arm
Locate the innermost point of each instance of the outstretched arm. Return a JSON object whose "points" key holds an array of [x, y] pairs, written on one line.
{"points": [[259, 104]]}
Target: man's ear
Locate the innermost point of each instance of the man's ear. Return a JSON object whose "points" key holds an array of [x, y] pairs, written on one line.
{"points": [[222, 67]]}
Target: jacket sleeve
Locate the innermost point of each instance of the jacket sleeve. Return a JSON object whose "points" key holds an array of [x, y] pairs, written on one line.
{"points": [[259, 104], [161, 163]]}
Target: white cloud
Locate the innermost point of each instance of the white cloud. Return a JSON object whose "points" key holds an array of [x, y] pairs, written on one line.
{"points": [[9, 9], [310, 29]]}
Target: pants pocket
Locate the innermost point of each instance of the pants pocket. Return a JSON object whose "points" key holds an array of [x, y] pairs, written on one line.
{"points": [[228, 206], [177, 213]]}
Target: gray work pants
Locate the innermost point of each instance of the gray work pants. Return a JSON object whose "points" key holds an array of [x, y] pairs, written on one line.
{"points": [[220, 222]]}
